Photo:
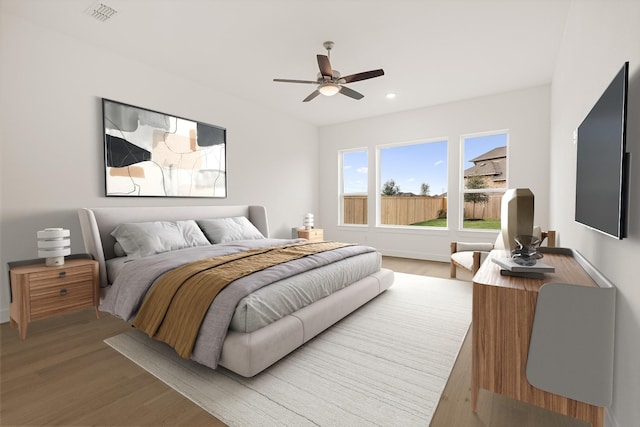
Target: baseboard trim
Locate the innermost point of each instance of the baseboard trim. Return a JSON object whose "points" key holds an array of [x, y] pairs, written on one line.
{"points": [[609, 420], [4, 315], [414, 255]]}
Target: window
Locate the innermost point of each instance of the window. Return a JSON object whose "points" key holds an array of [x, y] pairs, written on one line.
{"points": [[484, 180], [413, 184], [354, 187]]}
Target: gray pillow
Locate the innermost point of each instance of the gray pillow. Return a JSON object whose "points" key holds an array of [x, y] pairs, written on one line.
{"points": [[147, 238], [221, 230], [117, 249]]}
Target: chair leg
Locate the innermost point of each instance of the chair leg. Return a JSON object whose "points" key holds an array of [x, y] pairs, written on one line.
{"points": [[454, 249], [551, 238], [476, 262]]}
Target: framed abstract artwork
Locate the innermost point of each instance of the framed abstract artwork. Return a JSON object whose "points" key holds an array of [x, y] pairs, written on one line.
{"points": [[148, 153]]}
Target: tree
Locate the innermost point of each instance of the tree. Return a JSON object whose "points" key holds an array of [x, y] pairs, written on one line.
{"points": [[390, 188], [424, 189], [475, 182]]}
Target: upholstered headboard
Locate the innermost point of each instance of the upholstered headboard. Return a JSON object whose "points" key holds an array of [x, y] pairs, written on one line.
{"points": [[98, 223]]}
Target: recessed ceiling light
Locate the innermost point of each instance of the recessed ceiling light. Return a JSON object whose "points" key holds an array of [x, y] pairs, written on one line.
{"points": [[391, 95]]}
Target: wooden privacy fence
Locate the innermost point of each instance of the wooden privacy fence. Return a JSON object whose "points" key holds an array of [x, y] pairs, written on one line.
{"points": [[489, 210], [355, 210], [396, 210], [405, 210]]}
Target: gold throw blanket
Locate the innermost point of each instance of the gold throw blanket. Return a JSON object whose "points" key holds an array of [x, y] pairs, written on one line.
{"points": [[177, 304]]}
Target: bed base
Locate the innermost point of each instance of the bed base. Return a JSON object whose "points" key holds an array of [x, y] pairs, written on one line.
{"points": [[246, 354]]}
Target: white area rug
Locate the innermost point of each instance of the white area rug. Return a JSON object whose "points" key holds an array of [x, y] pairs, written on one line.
{"points": [[385, 364]]}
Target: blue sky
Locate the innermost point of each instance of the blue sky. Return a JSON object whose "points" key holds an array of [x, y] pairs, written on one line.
{"points": [[355, 172], [411, 165]]}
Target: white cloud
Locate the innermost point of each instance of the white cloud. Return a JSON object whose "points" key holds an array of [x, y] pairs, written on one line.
{"points": [[362, 170], [438, 163]]}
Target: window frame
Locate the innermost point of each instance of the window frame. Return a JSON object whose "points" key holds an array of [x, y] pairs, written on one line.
{"points": [[378, 186], [341, 193], [461, 188]]}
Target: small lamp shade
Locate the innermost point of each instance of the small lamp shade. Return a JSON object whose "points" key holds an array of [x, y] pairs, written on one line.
{"points": [[53, 245], [329, 89], [308, 221]]}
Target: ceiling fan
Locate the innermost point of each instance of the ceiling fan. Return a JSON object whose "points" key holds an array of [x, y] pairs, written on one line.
{"points": [[330, 81]]}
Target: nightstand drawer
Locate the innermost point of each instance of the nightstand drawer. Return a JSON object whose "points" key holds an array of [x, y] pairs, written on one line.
{"points": [[313, 234], [60, 276], [61, 298]]}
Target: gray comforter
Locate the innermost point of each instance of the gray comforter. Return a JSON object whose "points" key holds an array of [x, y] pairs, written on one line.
{"points": [[138, 276]]}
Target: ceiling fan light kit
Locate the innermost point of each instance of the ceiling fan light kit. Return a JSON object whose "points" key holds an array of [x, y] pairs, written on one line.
{"points": [[330, 82], [329, 89]]}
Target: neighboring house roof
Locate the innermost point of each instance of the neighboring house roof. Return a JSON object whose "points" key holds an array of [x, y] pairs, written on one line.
{"points": [[492, 164], [491, 168], [496, 153]]}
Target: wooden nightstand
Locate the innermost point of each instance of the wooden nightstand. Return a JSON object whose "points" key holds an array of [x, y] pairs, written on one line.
{"points": [[313, 235], [39, 291]]}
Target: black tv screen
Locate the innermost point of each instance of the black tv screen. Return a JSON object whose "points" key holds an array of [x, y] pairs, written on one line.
{"points": [[602, 161]]}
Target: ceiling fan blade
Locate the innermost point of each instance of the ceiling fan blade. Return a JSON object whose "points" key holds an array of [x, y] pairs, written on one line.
{"points": [[295, 81], [325, 66], [311, 96], [363, 76], [350, 93]]}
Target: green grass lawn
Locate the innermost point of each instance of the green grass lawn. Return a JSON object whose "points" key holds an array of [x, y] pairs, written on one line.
{"points": [[438, 222], [492, 224], [486, 224]]}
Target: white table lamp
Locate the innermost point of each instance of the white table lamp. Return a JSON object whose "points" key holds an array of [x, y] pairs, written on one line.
{"points": [[53, 245], [308, 221]]}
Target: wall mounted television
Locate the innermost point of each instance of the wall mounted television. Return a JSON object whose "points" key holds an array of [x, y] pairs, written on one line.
{"points": [[602, 184]]}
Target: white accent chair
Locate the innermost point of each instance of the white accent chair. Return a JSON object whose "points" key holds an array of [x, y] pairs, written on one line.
{"points": [[469, 256]]}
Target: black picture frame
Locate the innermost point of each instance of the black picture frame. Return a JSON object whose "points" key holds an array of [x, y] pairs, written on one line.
{"points": [[152, 154]]}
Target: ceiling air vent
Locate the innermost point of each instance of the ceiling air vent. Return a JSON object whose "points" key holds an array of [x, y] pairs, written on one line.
{"points": [[100, 11]]}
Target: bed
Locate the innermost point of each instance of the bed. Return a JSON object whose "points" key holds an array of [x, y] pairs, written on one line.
{"points": [[240, 331]]}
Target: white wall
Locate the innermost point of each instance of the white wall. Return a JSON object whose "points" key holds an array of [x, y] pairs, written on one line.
{"points": [[52, 148], [524, 114], [599, 37]]}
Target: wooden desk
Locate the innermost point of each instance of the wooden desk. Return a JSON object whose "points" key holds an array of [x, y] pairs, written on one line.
{"points": [[503, 316]]}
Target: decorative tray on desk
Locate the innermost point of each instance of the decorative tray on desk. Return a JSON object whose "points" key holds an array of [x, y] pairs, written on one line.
{"points": [[510, 265]]}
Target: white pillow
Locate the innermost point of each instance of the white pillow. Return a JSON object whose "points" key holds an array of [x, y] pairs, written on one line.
{"points": [[147, 238], [221, 230]]}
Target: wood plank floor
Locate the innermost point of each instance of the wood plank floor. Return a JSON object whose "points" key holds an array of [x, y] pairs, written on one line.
{"points": [[63, 374]]}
